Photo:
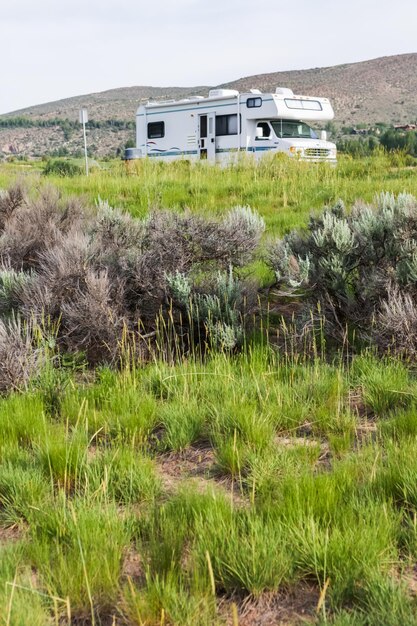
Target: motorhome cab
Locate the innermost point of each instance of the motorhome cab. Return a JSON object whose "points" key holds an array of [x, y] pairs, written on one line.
{"points": [[227, 123]]}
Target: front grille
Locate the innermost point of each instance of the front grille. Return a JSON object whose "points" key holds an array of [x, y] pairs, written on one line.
{"points": [[317, 153]]}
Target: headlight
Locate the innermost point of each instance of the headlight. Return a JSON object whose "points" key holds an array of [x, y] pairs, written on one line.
{"points": [[293, 149]]}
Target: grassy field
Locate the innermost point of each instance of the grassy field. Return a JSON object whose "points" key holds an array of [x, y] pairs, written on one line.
{"points": [[250, 486], [269, 487], [281, 190]]}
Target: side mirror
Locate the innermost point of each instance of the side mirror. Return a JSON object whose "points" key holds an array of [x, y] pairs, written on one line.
{"points": [[259, 132], [323, 135]]}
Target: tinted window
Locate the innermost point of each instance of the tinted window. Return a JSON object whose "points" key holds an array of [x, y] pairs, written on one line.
{"points": [[156, 130], [251, 103], [203, 126], [226, 125]]}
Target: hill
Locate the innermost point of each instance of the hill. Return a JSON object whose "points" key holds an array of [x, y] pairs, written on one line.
{"points": [[379, 90]]}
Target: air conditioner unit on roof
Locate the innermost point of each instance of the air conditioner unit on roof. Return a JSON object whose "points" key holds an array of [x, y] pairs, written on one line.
{"points": [[222, 93]]}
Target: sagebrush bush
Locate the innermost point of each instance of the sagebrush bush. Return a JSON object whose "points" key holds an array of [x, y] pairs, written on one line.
{"points": [[37, 225], [103, 277], [218, 311], [351, 262], [396, 323], [11, 285], [19, 358], [10, 200]]}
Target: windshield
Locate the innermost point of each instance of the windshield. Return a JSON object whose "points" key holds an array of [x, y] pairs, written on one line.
{"points": [[293, 129]]}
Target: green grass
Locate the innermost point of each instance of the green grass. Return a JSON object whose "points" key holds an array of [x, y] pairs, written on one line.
{"points": [[282, 190], [20, 602], [77, 548], [292, 492]]}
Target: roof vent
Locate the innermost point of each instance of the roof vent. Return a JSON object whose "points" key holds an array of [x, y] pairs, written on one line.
{"points": [[222, 93], [255, 91], [283, 91]]}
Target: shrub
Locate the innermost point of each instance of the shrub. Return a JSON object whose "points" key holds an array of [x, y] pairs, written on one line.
{"points": [[19, 360], [191, 246], [396, 140], [351, 262], [92, 322], [108, 279], [38, 225], [217, 311], [10, 200], [62, 168], [396, 323], [11, 285]]}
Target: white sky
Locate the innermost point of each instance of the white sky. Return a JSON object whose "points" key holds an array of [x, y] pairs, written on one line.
{"points": [[53, 49]]}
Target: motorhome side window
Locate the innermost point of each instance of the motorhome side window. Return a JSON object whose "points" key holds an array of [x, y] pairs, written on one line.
{"points": [[156, 130], [227, 124], [252, 103], [307, 105]]}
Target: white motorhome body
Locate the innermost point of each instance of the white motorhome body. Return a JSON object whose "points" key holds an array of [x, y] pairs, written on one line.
{"points": [[227, 123]]}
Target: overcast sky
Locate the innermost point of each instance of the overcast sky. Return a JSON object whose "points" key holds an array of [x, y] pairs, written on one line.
{"points": [[52, 49]]}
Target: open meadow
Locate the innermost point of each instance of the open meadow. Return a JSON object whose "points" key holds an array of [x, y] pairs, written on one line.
{"points": [[207, 463], [283, 191]]}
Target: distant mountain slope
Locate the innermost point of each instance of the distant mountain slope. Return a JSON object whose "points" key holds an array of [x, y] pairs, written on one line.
{"points": [[379, 90], [118, 104]]}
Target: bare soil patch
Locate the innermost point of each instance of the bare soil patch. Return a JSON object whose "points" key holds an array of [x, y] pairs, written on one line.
{"points": [[133, 565], [196, 465], [292, 607], [10, 534]]}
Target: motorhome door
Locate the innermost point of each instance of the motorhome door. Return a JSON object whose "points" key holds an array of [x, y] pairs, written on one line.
{"points": [[207, 139]]}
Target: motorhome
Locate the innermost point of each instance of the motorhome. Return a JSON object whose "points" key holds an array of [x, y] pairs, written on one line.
{"points": [[226, 123]]}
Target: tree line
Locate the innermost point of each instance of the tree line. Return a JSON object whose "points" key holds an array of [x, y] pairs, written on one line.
{"points": [[64, 124]]}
